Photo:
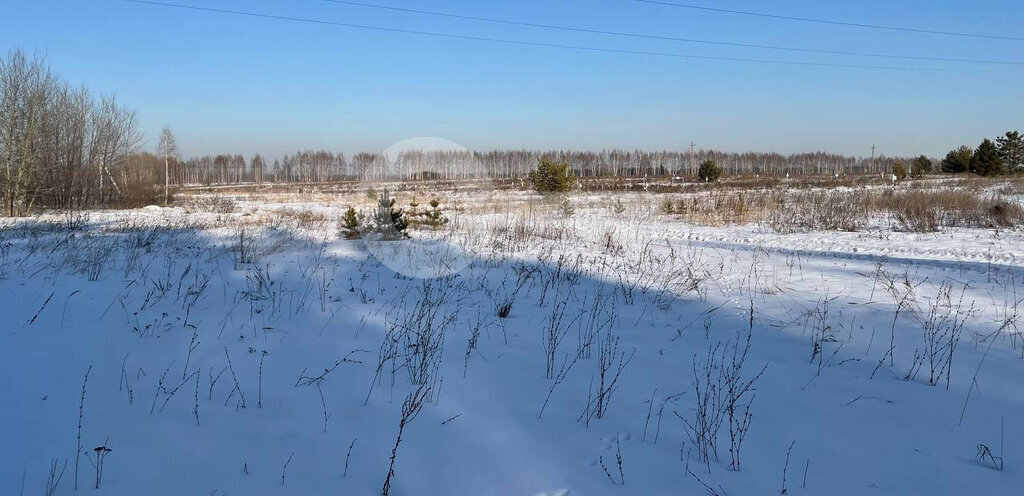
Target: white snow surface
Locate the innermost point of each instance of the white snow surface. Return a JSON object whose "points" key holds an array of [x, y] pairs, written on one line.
{"points": [[133, 292]]}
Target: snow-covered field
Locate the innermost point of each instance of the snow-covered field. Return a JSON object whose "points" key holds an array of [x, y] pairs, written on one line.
{"points": [[256, 352]]}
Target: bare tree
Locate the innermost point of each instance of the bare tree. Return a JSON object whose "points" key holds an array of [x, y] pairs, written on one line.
{"points": [[258, 164], [60, 146], [23, 93], [168, 147]]}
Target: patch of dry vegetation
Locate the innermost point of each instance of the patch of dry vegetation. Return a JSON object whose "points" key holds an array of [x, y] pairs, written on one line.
{"points": [[788, 211]]}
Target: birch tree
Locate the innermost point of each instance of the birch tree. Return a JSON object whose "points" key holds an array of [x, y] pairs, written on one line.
{"points": [[168, 147]]}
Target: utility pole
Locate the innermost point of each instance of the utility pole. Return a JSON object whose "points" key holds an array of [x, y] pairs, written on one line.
{"points": [[872, 159], [693, 163], [167, 178]]}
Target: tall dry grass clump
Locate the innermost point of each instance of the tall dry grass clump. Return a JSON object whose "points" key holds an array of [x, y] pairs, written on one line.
{"points": [[928, 211], [790, 210]]}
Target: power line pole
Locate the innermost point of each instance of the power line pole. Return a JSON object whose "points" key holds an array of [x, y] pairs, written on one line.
{"points": [[872, 159], [693, 163]]}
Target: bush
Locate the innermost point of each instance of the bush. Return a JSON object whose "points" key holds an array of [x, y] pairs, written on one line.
{"points": [[928, 211], [667, 207], [916, 214], [709, 171], [1005, 214], [207, 203], [139, 194], [552, 177]]}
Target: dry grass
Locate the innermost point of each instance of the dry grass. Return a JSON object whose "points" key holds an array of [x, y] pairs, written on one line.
{"points": [[784, 205], [788, 211], [207, 203], [921, 211], [304, 219]]}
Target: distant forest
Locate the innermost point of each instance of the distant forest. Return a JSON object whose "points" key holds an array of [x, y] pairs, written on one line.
{"points": [[325, 166]]}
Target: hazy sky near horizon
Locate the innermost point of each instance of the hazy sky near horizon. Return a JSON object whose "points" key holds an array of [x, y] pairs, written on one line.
{"points": [[236, 84]]}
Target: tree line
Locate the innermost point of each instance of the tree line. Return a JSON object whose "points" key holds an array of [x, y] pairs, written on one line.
{"points": [[314, 166], [1004, 156]]}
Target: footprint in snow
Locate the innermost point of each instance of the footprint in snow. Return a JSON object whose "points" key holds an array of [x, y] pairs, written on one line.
{"points": [[622, 436], [608, 442]]}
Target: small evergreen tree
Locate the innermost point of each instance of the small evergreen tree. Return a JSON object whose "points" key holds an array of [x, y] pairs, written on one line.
{"points": [[986, 160], [351, 223], [413, 213], [389, 221], [1011, 149], [899, 170], [958, 160], [709, 171], [552, 177], [434, 217], [921, 166]]}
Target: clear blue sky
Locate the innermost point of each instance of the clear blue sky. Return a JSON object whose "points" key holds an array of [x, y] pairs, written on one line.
{"points": [[236, 84]]}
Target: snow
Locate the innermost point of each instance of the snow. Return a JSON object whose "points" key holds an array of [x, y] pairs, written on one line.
{"points": [[141, 288]]}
